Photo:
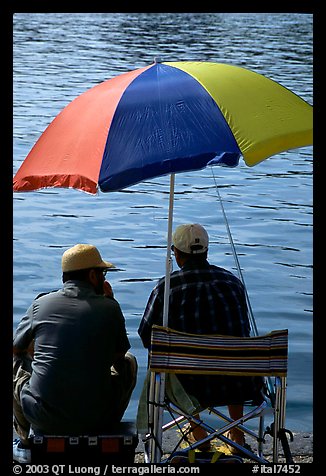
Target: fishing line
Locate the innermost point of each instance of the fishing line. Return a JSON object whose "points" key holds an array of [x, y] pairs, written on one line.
{"points": [[236, 259]]}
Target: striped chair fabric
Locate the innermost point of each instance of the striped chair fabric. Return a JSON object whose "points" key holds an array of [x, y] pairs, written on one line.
{"points": [[178, 352]]}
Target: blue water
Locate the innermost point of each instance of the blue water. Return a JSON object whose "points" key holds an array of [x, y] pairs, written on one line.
{"points": [[269, 206]]}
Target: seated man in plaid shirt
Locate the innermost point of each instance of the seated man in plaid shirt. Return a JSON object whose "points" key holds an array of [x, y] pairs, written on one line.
{"points": [[204, 299]]}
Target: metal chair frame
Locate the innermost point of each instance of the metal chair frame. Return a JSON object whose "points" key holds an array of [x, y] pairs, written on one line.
{"points": [[161, 363]]}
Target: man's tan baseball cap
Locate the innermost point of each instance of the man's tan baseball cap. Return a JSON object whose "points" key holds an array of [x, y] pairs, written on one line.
{"points": [[83, 256]]}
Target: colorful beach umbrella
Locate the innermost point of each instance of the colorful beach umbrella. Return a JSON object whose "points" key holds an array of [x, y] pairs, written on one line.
{"points": [[165, 118]]}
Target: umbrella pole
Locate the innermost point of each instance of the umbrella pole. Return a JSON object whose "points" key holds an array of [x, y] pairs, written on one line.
{"points": [[156, 456], [168, 263]]}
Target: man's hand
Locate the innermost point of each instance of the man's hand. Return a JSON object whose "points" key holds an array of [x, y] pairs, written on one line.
{"points": [[107, 289], [21, 352]]}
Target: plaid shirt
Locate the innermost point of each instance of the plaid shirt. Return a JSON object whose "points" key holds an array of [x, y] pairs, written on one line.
{"points": [[204, 299]]}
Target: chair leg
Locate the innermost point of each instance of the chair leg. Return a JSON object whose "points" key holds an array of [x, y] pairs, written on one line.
{"points": [[279, 417], [261, 429], [156, 452], [151, 442]]}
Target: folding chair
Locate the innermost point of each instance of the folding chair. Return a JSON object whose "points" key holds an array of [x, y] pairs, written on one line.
{"points": [[174, 352]]}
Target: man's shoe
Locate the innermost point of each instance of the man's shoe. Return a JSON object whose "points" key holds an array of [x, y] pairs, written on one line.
{"points": [[21, 453], [235, 451]]}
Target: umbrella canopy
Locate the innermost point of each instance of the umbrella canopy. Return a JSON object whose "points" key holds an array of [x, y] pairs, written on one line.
{"points": [[165, 118]]}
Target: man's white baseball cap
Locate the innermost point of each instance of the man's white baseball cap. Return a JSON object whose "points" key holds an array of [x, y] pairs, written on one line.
{"points": [[190, 238]]}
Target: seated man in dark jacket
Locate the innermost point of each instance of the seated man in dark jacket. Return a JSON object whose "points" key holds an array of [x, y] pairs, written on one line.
{"points": [[79, 376]]}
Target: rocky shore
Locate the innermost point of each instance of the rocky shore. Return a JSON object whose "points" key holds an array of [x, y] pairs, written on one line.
{"points": [[301, 447]]}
